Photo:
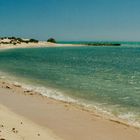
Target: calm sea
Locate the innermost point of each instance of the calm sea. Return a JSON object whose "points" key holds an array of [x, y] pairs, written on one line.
{"points": [[103, 78]]}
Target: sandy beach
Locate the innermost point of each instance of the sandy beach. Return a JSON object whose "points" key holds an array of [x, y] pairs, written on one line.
{"points": [[69, 70], [15, 127], [40, 114], [39, 44]]}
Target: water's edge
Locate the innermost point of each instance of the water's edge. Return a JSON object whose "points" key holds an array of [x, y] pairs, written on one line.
{"points": [[101, 79], [59, 96]]}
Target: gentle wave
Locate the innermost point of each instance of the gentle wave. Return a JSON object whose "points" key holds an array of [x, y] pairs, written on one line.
{"points": [[127, 117]]}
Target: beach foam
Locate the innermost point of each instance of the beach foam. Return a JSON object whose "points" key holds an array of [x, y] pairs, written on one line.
{"points": [[128, 117]]}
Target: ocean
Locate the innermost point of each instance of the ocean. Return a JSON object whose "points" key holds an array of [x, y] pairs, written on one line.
{"points": [[105, 79]]}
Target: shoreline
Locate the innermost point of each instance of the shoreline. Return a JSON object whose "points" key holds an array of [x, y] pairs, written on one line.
{"points": [[44, 92], [87, 117], [38, 45]]}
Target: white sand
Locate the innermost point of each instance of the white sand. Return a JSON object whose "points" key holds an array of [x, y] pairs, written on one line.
{"points": [[15, 127], [39, 44]]}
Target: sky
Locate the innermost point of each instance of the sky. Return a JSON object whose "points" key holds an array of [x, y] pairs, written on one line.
{"points": [[71, 20]]}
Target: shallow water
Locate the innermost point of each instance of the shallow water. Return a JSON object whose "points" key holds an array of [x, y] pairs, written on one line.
{"points": [[107, 78]]}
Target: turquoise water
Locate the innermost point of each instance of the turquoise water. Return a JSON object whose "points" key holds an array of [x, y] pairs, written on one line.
{"points": [[105, 78]]}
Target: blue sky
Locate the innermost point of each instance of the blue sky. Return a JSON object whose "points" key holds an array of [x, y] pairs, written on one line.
{"points": [[71, 19]]}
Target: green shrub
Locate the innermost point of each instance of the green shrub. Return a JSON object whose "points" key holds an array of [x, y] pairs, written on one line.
{"points": [[33, 40], [52, 40]]}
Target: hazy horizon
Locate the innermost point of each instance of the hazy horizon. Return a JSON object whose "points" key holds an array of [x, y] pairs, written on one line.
{"points": [[74, 20]]}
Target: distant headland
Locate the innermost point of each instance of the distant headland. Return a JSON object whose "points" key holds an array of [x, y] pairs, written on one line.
{"points": [[102, 44], [16, 42]]}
